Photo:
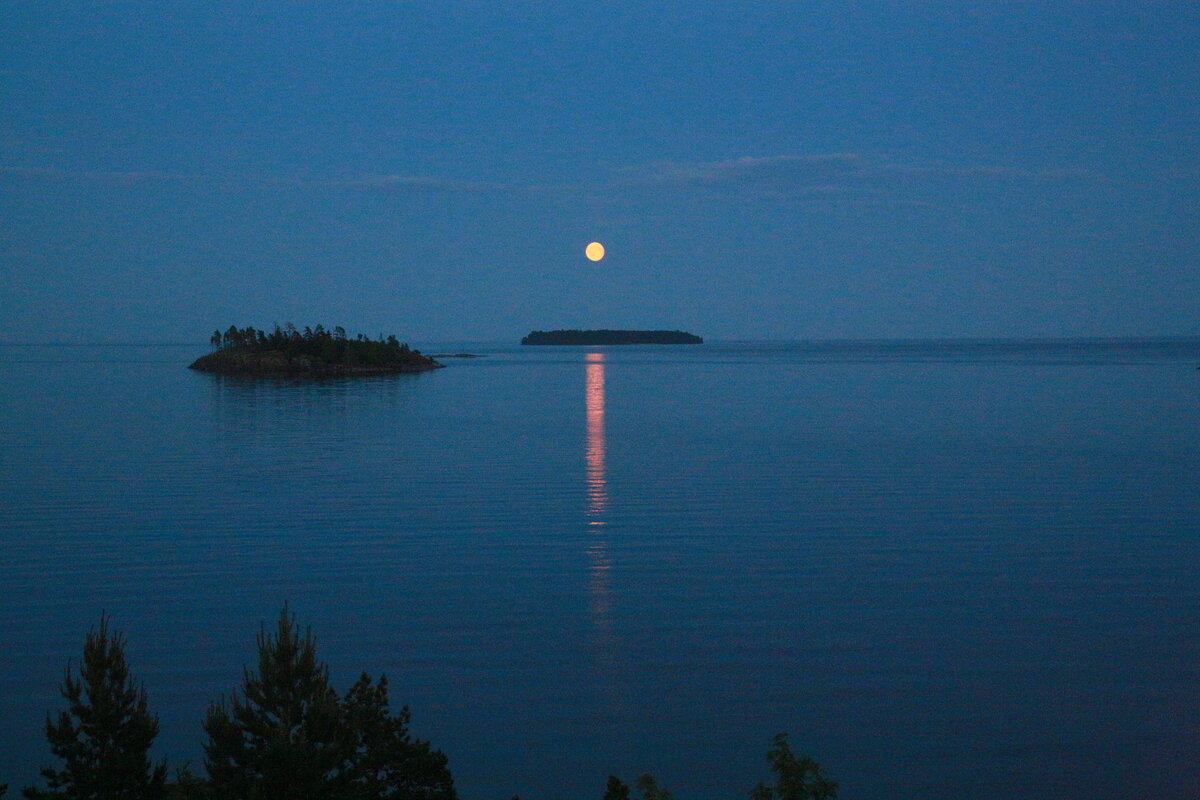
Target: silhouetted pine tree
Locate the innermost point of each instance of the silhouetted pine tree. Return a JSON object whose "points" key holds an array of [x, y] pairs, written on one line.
{"points": [[387, 762], [651, 790], [187, 785], [287, 735], [616, 789], [646, 784], [105, 735], [283, 738], [796, 777]]}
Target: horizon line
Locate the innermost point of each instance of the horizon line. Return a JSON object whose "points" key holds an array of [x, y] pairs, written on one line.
{"points": [[806, 340]]}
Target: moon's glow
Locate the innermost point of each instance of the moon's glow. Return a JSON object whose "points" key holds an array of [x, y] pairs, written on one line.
{"points": [[594, 251]]}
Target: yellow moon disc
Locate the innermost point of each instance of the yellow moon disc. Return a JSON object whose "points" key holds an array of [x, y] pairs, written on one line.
{"points": [[594, 251]]}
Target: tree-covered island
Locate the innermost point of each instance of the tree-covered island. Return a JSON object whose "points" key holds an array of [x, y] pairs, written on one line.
{"points": [[604, 336], [313, 352]]}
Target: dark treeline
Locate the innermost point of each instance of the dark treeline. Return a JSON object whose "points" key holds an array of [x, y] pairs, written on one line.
{"points": [[284, 734], [330, 346]]}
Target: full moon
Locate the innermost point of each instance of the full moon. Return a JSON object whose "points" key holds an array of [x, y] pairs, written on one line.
{"points": [[594, 251]]}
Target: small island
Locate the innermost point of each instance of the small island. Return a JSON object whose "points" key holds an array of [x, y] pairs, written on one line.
{"points": [[597, 337], [311, 353]]}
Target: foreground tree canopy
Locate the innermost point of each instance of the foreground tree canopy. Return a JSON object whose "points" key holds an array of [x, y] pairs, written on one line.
{"points": [[104, 736], [288, 734], [285, 734], [797, 777], [314, 351]]}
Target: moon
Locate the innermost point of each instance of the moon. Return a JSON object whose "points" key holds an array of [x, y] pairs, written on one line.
{"points": [[594, 251]]}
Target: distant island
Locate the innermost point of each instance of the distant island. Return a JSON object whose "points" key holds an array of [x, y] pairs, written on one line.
{"points": [[611, 337], [312, 353]]}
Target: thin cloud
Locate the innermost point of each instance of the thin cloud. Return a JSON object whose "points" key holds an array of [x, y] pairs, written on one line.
{"points": [[817, 170], [419, 182], [385, 183], [830, 177], [146, 178], [835, 176], [986, 172]]}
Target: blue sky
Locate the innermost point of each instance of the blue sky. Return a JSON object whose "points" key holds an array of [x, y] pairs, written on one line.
{"points": [[756, 170]]}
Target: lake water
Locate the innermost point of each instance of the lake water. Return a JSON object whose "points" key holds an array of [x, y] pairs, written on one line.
{"points": [[949, 569]]}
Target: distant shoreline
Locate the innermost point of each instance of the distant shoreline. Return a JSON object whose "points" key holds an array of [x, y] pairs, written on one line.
{"points": [[607, 336], [1147, 338]]}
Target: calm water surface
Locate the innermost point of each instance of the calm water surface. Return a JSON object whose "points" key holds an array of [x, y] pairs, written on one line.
{"points": [[949, 569]]}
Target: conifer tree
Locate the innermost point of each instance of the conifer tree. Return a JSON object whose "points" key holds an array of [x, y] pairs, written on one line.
{"points": [[283, 737], [387, 763], [797, 777], [650, 789], [105, 735], [616, 789], [287, 734], [646, 784]]}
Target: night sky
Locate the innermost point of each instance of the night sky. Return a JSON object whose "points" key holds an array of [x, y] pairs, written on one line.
{"points": [[758, 170]]}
